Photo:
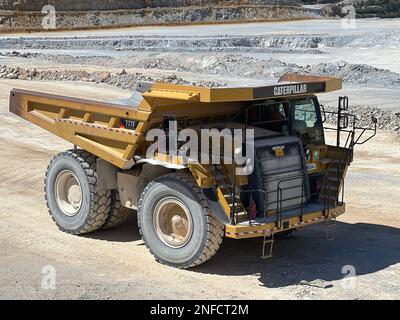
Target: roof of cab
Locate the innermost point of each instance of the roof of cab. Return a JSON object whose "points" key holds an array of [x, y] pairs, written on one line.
{"points": [[289, 85]]}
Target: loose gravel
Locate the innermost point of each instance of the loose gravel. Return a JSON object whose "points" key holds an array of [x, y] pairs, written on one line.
{"points": [[122, 79]]}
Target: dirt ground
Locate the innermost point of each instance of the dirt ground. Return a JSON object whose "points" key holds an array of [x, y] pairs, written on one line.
{"points": [[115, 263]]}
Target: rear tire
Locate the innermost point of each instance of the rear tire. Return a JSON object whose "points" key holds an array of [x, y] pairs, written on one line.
{"points": [[176, 223], [71, 196], [117, 214]]}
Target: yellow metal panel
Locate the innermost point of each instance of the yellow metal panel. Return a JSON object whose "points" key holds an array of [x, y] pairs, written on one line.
{"points": [[194, 109], [75, 126], [128, 154], [202, 175], [106, 153], [231, 94], [87, 118], [114, 122], [172, 91], [63, 113], [35, 99], [176, 160], [223, 202], [172, 94], [203, 91]]}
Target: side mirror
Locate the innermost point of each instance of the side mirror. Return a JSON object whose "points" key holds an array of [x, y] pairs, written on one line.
{"points": [[374, 120]]}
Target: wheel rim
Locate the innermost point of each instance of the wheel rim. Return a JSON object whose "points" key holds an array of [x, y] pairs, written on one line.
{"points": [[173, 222], [68, 193]]}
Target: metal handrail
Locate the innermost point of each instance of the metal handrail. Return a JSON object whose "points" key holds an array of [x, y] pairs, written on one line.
{"points": [[304, 195]]}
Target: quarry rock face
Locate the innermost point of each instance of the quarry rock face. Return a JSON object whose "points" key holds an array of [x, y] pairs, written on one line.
{"points": [[78, 5], [76, 14]]}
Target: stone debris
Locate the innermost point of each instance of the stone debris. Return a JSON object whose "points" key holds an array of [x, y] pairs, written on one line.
{"points": [[122, 79], [237, 65], [386, 120]]}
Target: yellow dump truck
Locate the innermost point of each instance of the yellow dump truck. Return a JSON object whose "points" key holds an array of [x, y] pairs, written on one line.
{"points": [[288, 178]]}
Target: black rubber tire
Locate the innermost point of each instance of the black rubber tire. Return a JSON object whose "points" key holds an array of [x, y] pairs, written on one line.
{"points": [[207, 233], [117, 213], [95, 204]]}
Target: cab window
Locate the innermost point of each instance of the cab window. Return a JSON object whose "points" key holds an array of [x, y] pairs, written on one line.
{"points": [[306, 121], [270, 116]]}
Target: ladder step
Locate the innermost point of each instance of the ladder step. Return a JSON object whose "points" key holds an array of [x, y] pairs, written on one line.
{"points": [[230, 196], [268, 241], [242, 213], [237, 205]]}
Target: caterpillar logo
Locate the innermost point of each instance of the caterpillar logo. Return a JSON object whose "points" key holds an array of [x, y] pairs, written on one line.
{"points": [[290, 89]]}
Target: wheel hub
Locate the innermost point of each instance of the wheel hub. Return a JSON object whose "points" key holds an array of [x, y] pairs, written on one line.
{"points": [[173, 222], [68, 193], [177, 221], [74, 195]]}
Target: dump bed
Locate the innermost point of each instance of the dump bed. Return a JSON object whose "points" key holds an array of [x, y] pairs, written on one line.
{"points": [[116, 132]]}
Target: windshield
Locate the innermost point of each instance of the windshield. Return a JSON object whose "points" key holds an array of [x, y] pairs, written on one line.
{"points": [[307, 122], [267, 115]]}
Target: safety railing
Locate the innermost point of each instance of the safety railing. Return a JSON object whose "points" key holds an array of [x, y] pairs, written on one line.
{"points": [[346, 123], [304, 197]]}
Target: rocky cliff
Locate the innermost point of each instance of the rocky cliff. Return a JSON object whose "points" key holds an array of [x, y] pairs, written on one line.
{"points": [[102, 5], [74, 14]]}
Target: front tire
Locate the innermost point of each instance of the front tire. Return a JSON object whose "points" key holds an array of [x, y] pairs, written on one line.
{"points": [[176, 223], [71, 196]]}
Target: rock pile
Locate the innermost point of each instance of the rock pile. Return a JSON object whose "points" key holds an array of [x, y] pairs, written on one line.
{"points": [[386, 120], [355, 74], [122, 79], [233, 65]]}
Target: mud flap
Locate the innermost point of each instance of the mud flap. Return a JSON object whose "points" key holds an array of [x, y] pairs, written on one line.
{"points": [[215, 206]]}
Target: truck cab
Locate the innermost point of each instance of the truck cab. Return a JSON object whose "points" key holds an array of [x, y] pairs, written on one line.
{"points": [[299, 117]]}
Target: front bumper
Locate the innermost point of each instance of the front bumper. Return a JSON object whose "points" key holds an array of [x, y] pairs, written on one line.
{"points": [[243, 230]]}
